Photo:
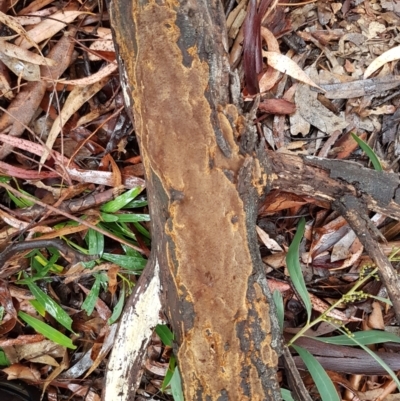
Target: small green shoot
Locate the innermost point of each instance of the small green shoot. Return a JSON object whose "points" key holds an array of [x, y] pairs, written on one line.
{"points": [[118, 308], [321, 379], [280, 310], [38, 307], [95, 242], [294, 268], [176, 386], [170, 372], [172, 378], [91, 299], [165, 334], [286, 395], [3, 359], [136, 203], [368, 151], [46, 330]]}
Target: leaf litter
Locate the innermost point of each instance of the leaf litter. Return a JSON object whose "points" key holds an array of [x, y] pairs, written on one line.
{"points": [[325, 71]]}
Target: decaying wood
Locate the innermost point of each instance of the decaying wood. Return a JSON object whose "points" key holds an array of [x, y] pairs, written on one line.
{"points": [[203, 190], [206, 172], [352, 210], [141, 315], [352, 190]]}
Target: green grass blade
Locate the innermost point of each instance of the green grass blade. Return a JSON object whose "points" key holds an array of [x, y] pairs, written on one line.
{"points": [[91, 298], [118, 308], [286, 395], [136, 203], [165, 334], [39, 307], [3, 359], [368, 151], [46, 330], [108, 218], [120, 201], [176, 386], [294, 268], [321, 379], [142, 230], [169, 374], [95, 242], [361, 337], [134, 264], [51, 307], [132, 217], [280, 312]]}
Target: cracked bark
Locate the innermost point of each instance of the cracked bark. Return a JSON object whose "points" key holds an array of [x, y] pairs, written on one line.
{"points": [[205, 174]]}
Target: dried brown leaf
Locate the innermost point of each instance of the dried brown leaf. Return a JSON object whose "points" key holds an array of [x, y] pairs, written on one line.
{"points": [[109, 333], [48, 28], [315, 113], [20, 112], [25, 55], [390, 55], [104, 44], [22, 69], [277, 106], [12, 23], [92, 79], [268, 241], [287, 66], [77, 97], [19, 371]]}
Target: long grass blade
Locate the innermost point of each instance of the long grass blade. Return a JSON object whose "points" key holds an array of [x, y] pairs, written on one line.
{"points": [[294, 268]]}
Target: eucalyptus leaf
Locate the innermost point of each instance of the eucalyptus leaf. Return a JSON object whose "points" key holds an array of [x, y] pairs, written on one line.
{"points": [[368, 337], [380, 361], [321, 379]]}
